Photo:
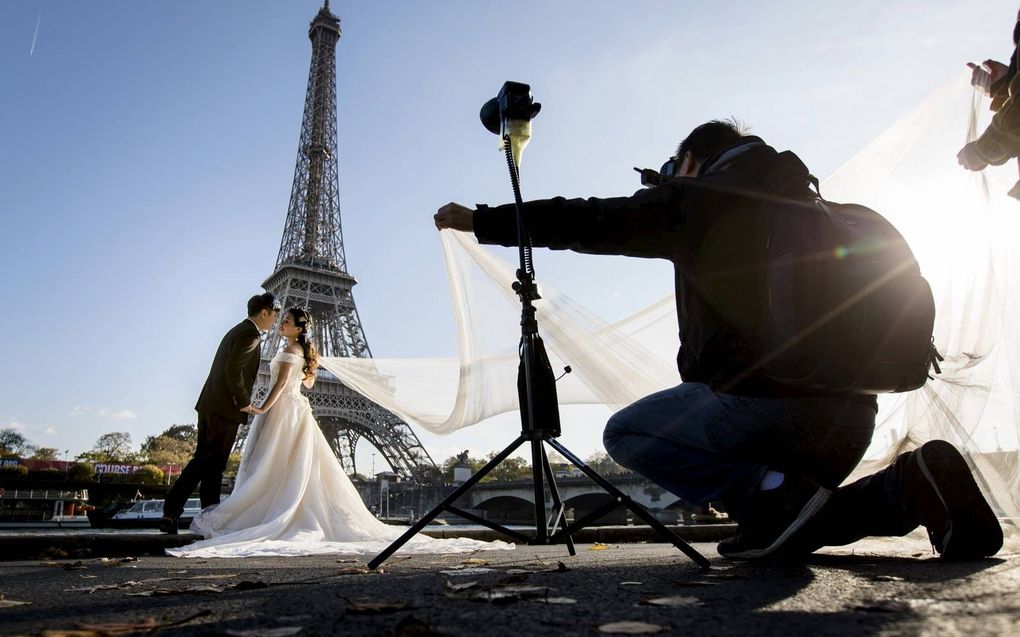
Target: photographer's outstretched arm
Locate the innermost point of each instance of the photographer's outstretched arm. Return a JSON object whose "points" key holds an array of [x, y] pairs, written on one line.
{"points": [[642, 225]]}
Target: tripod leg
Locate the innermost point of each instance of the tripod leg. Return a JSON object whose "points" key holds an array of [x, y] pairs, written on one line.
{"points": [[450, 499], [638, 510], [537, 455], [560, 510]]}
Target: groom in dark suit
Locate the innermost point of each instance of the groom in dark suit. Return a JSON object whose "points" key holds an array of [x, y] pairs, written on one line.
{"points": [[221, 409]]}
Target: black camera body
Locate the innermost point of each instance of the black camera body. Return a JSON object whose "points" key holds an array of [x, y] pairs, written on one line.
{"points": [[669, 170], [514, 102]]}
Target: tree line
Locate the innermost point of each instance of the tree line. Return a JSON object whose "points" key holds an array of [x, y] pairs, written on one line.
{"points": [[176, 444]]}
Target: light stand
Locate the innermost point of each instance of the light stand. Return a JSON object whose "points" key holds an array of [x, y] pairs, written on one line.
{"points": [[536, 386]]}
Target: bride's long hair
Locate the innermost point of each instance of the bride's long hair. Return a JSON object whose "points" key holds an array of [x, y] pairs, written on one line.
{"points": [[303, 321]]}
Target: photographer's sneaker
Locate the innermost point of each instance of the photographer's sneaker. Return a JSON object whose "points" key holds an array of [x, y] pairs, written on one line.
{"points": [[773, 517], [939, 486]]}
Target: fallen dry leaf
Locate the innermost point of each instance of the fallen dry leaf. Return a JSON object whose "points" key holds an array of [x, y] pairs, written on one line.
{"points": [[10, 603], [559, 568], [115, 561], [467, 571], [460, 587], [103, 587], [367, 607], [631, 628], [190, 590], [676, 600], [598, 546]]}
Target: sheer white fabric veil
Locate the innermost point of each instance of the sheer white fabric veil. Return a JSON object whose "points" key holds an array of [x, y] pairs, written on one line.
{"points": [[961, 225]]}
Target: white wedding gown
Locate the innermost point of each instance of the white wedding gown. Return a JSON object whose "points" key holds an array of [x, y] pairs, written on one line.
{"points": [[292, 497]]}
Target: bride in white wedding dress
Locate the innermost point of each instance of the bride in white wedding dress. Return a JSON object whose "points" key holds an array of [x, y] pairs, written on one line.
{"points": [[291, 496]]}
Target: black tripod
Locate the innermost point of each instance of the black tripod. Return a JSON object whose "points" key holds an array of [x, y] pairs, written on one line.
{"points": [[540, 423]]}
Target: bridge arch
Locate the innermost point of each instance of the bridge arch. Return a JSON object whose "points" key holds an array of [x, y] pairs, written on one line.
{"points": [[507, 509], [581, 505]]}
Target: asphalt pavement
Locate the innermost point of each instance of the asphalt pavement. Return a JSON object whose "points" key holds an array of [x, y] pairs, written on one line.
{"points": [[877, 588]]}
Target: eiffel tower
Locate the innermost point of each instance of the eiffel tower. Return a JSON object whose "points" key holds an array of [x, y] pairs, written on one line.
{"points": [[311, 272]]}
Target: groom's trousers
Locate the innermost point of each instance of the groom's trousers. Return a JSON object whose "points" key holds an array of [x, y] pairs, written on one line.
{"points": [[216, 436]]}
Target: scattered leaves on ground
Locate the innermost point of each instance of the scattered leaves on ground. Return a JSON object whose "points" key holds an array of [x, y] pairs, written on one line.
{"points": [[201, 589], [631, 628]]}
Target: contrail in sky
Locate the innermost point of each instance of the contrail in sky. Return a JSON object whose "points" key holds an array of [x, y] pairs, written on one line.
{"points": [[35, 35]]}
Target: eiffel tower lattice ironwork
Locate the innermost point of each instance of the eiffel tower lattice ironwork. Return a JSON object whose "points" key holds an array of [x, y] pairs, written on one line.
{"points": [[311, 272]]}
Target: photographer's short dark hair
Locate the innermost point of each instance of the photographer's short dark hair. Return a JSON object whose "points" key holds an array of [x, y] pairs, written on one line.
{"points": [[710, 138], [259, 302]]}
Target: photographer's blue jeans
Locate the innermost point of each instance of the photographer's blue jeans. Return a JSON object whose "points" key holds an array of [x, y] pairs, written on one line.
{"points": [[705, 446]]}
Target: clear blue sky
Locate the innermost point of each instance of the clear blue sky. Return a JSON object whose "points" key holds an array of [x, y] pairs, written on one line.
{"points": [[147, 151]]}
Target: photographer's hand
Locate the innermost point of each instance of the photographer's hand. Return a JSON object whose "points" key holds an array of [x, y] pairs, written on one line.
{"points": [[455, 217], [988, 73], [969, 158]]}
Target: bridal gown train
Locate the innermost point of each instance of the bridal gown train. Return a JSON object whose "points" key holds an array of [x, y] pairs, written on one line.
{"points": [[292, 497]]}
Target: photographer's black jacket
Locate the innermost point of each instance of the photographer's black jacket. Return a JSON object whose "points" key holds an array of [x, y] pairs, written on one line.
{"points": [[706, 226]]}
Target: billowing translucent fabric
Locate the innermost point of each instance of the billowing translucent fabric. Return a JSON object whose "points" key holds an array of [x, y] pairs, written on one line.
{"points": [[962, 227], [292, 497]]}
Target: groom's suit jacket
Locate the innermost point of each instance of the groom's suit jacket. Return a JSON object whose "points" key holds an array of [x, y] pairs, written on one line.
{"points": [[232, 376]]}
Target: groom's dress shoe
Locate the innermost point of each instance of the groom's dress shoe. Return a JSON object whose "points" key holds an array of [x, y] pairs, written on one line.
{"points": [[168, 524]]}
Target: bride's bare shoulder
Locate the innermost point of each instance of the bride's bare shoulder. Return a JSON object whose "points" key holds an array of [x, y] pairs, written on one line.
{"points": [[295, 349]]}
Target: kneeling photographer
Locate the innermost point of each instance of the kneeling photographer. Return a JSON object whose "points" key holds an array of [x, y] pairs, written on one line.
{"points": [[773, 452]]}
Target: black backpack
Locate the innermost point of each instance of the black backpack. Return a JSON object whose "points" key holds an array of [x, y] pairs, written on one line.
{"points": [[846, 308]]}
